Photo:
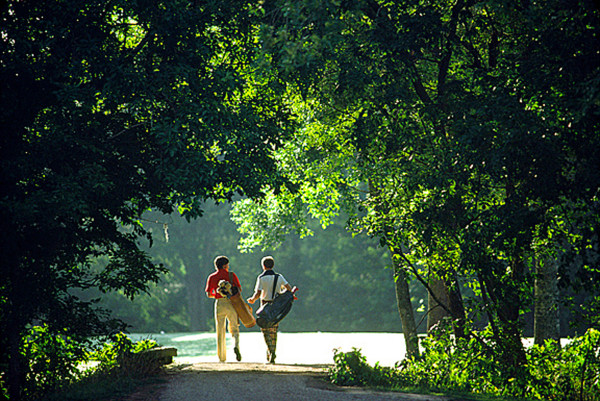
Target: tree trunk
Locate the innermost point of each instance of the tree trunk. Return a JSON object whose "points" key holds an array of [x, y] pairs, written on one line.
{"points": [[509, 309], [407, 317], [457, 308], [15, 367], [546, 325], [436, 312], [405, 309]]}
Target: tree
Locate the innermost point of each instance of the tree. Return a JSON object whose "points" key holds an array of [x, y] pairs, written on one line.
{"points": [[108, 109], [476, 121], [547, 315], [326, 179]]}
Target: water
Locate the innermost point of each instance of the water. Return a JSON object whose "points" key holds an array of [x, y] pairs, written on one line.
{"points": [[292, 348]]}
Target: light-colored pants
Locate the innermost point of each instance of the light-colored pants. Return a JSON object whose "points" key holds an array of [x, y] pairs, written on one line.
{"points": [[224, 310]]}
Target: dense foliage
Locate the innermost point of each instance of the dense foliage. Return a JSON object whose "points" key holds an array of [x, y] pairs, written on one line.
{"points": [[112, 368], [463, 134], [107, 109], [471, 366], [62, 368], [53, 360]]}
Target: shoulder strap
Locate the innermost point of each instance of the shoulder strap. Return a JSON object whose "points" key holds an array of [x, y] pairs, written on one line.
{"points": [[231, 279], [274, 286], [234, 288]]}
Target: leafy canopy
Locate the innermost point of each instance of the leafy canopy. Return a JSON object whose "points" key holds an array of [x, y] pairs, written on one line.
{"points": [[108, 109]]}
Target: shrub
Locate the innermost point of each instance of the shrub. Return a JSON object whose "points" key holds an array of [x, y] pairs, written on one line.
{"points": [[351, 369], [450, 365], [124, 357], [53, 360], [572, 373], [122, 366], [55, 363], [462, 365]]}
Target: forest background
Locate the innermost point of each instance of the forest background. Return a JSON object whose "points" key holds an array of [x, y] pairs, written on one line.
{"points": [[346, 282]]}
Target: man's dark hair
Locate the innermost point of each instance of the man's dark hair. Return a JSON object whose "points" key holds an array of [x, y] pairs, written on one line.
{"points": [[221, 261], [268, 262]]}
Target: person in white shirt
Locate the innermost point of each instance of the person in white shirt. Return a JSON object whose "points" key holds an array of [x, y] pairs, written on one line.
{"points": [[264, 291]]}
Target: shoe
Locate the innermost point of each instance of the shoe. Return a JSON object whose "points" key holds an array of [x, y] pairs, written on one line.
{"points": [[238, 356], [272, 358]]}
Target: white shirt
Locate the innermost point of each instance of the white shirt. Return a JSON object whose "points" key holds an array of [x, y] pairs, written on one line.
{"points": [[264, 283]]}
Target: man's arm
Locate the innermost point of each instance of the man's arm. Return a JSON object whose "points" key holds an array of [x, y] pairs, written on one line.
{"points": [[254, 297], [210, 290]]}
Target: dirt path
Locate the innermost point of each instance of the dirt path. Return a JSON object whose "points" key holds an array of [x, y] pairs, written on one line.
{"points": [[253, 382]]}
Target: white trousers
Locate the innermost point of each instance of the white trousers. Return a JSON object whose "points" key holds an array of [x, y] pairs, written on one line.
{"points": [[224, 310]]}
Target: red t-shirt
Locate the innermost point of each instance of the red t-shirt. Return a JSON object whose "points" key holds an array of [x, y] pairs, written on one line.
{"points": [[213, 282]]}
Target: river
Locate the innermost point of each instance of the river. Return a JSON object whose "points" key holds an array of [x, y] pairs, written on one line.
{"points": [[292, 348]]}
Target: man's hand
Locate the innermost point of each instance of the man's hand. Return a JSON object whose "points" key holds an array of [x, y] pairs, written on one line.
{"points": [[254, 297]]}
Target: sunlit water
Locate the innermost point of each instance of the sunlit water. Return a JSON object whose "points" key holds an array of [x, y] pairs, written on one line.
{"points": [[292, 348]]}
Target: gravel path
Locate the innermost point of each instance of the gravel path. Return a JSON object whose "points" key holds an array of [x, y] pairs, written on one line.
{"points": [[253, 382]]}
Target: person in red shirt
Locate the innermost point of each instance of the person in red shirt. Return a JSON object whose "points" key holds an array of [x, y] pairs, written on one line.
{"points": [[223, 308]]}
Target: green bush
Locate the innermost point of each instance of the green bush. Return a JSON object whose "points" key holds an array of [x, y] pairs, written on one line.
{"points": [[125, 358], [551, 373], [351, 369], [55, 360], [572, 373], [121, 367], [463, 365]]}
